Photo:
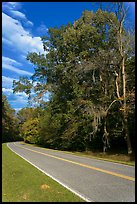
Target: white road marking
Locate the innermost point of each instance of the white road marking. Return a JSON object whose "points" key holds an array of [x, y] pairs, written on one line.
{"points": [[72, 190]]}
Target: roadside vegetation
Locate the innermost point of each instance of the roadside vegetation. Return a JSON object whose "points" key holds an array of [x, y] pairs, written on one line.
{"points": [[22, 182], [89, 76]]}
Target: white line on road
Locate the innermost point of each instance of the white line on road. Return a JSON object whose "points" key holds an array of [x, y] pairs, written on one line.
{"points": [[72, 190]]}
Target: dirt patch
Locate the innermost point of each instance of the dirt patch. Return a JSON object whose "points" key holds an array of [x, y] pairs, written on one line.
{"points": [[44, 186], [25, 196]]}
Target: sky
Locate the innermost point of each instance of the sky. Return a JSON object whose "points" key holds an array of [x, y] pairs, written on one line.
{"points": [[23, 25]]}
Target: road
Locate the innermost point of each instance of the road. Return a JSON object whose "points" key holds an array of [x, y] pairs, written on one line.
{"points": [[91, 179]]}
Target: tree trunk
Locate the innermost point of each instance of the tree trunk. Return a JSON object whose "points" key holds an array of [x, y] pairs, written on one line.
{"points": [[117, 86], [105, 138], [125, 111], [122, 65]]}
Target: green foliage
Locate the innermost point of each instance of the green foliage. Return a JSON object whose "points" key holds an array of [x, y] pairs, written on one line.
{"points": [[9, 122], [29, 131], [79, 71], [22, 85], [29, 124]]}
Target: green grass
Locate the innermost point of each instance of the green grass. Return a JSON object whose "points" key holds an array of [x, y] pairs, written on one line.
{"points": [[22, 182]]}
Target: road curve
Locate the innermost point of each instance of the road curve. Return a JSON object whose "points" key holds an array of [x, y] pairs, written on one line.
{"points": [[91, 179]]}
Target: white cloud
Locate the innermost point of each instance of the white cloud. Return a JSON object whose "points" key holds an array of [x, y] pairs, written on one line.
{"points": [[21, 95], [17, 36], [18, 14], [7, 42], [29, 23], [42, 29], [12, 9], [7, 91], [13, 31], [7, 82], [21, 16], [14, 69], [8, 60], [10, 26], [11, 5], [8, 63]]}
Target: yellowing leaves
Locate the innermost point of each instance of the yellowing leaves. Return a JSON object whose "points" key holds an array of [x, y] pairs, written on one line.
{"points": [[121, 98], [121, 109]]}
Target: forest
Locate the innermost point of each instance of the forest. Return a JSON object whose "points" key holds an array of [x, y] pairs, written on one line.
{"points": [[89, 73]]}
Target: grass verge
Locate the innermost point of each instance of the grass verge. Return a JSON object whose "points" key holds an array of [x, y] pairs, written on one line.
{"points": [[22, 182]]}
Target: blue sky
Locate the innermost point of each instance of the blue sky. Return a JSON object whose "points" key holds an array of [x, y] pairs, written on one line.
{"points": [[23, 25]]}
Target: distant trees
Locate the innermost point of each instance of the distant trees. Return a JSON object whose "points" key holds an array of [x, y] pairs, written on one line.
{"points": [[29, 122], [10, 129], [88, 70]]}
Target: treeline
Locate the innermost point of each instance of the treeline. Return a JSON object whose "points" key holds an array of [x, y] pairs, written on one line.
{"points": [[89, 71], [10, 123]]}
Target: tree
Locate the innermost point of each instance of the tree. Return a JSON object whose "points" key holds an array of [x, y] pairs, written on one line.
{"points": [[29, 131], [9, 122], [122, 40], [81, 58], [29, 124]]}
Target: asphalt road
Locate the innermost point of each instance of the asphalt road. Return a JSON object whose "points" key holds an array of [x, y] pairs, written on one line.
{"points": [[93, 180]]}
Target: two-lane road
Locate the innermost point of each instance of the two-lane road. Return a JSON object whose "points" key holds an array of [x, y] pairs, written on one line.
{"points": [[93, 180]]}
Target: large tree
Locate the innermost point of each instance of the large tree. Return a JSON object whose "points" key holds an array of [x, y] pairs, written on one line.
{"points": [[82, 73]]}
